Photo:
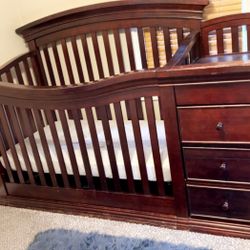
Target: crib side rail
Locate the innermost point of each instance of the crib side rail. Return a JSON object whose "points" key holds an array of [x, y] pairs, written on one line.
{"points": [[23, 70], [226, 34], [21, 110]]}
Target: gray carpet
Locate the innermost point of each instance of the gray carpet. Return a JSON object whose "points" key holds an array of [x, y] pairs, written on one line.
{"points": [[61, 239]]}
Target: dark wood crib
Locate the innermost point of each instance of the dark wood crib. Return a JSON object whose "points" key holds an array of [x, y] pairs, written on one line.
{"points": [[111, 114]]}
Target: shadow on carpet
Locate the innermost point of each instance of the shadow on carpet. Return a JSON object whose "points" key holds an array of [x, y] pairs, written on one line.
{"points": [[60, 239]]}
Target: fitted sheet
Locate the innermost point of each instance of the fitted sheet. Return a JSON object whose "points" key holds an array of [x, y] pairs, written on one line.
{"points": [[104, 152]]}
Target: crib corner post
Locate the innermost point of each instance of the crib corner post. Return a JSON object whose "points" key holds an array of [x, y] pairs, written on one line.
{"points": [[3, 191]]}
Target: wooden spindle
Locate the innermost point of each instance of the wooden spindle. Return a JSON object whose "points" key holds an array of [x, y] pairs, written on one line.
{"points": [[142, 48], [49, 66], [9, 76], [50, 118], [108, 52], [130, 49], [21, 142], [27, 71], [248, 38], [124, 147], [235, 39], [155, 144], [9, 137], [58, 64], [119, 50], [19, 74], [79, 130], [179, 33], [87, 57], [153, 33], [139, 146], [45, 146], [78, 61], [3, 151], [97, 55], [67, 61], [28, 130], [110, 147], [220, 41], [96, 146], [70, 147], [167, 42]]}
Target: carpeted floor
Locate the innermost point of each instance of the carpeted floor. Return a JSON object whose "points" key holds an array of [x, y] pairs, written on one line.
{"points": [[19, 228]]}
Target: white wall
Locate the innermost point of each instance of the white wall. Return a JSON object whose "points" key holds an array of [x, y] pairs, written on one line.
{"points": [[15, 13]]}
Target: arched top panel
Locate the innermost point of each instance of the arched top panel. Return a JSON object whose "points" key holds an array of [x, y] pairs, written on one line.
{"points": [[119, 11]]}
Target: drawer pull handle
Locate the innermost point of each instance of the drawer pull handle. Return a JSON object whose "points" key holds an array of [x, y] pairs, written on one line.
{"points": [[219, 126], [223, 166], [225, 206]]}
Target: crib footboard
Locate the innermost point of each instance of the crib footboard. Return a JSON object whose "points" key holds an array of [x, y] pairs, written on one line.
{"points": [[102, 144]]}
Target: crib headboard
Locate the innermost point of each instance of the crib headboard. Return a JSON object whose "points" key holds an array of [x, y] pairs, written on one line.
{"points": [[102, 40]]}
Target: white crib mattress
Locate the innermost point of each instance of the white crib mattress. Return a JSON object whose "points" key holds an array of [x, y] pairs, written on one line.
{"points": [[104, 152]]}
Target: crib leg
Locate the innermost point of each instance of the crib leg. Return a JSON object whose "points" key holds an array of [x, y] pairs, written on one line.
{"points": [[3, 191]]}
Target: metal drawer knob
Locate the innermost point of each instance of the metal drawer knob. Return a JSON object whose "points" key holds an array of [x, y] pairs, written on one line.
{"points": [[225, 206], [223, 166], [219, 126]]}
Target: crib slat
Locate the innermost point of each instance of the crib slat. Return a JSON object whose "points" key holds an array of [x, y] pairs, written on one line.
{"points": [[248, 38], [7, 131], [179, 36], [138, 107], [119, 50], [110, 147], [9, 76], [27, 71], [5, 158], [78, 61], [49, 66], [67, 61], [139, 146], [155, 144], [97, 151], [97, 55], [220, 41], [108, 52], [153, 33], [124, 147], [29, 132], [21, 143], [142, 48], [87, 57], [130, 49], [235, 39], [49, 115], [58, 64], [45, 147], [83, 148], [167, 41], [19, 74], [69, 144]]}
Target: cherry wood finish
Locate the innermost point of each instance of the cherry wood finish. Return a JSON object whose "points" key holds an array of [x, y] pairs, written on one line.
{"points": [[204, 107], [217, 164]]}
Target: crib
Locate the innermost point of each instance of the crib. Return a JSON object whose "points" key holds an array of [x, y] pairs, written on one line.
{"points": [[95, 118]]}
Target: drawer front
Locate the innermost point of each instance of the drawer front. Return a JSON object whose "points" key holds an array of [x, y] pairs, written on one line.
{"points": [[230, 124], [210, 94], [217, 164], [219, 203]]}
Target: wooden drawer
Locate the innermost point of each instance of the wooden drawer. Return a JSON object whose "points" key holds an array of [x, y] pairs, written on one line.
{"points": [[219, 203], [217, 164], [211, 94], [208, 124]]}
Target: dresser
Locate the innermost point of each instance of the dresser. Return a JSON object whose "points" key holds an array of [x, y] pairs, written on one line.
{"points": [[214, 126]]}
